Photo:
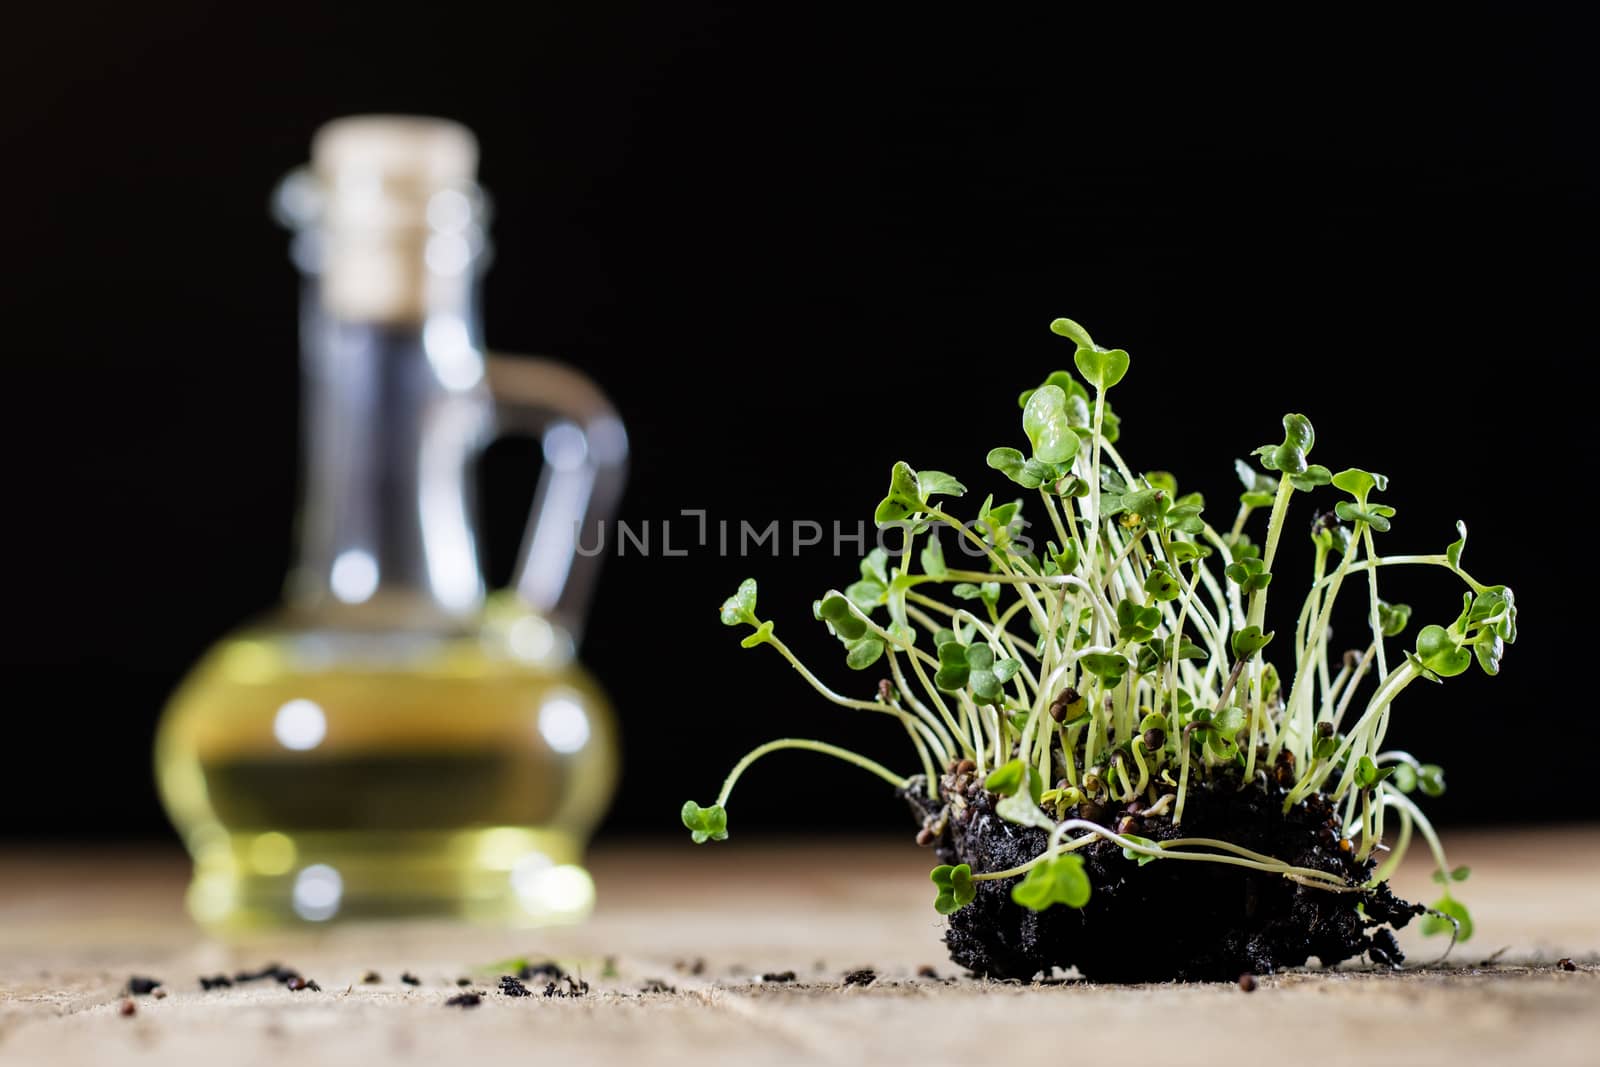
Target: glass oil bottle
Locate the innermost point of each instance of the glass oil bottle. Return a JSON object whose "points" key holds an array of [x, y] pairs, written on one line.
{"points": [[394, 740]]}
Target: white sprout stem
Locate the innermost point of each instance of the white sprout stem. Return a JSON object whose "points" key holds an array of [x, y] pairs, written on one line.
{"points": [[1388, 689], [1280, 507], [1300, 716], [1362, 668], [1045, 667], [1165, 851], [931, 729], [1093, 519], [930, 776], [870, 766], [1372, 596], [1007, 575], [1024, 581], [957, 732], [1396, 799], [1330, 694], [924, 757], [1055, 518], [1435, 560], [1321, 623], [1235, 612], [979, 744], [1401, 845], [1365, 848]]}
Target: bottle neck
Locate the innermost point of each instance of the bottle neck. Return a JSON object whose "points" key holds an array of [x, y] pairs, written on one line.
{"points": [[393, 415], [388, 234]]}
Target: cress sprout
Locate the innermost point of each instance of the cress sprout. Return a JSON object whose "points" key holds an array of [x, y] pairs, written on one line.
{"points": [[1120, 657]]}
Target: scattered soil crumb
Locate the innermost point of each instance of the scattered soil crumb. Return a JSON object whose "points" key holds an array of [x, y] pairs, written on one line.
{"points": [[139, 985], [275, 971], [297, 984], [511, 986], [410, 979], [777, 976], [215, 981], [1247, 982], [863, 976], [1566, 964], [574, 988], [656, 985], [464, 1000], [128, 1007], [463, 982], [159, 992], [926, 971], [371, 978], [549, 970]]}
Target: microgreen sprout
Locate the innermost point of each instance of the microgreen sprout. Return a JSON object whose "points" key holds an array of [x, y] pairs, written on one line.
{"points": [[1117, 648], [955, 886]]}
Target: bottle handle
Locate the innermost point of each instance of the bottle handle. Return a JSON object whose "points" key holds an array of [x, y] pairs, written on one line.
{"points": [[585, 466]]}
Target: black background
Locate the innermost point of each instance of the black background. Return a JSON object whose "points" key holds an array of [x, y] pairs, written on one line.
{"points": [[796, 247]]}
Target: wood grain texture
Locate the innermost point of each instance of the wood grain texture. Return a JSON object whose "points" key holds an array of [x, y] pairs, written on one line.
{"points": [[74, 926]]}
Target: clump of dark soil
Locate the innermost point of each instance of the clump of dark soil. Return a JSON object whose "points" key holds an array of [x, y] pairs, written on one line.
{"points": [[512, 986], [575, 987], [1167, 919], [864, 976], [464, 1000], [276, 972], [139, 985]]}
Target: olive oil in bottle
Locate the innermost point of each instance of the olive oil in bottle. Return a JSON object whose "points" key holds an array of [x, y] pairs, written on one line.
{"points": [[391, 741]]}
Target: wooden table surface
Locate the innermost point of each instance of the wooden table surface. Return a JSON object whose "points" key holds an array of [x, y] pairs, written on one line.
{"points": [[75, 925]]}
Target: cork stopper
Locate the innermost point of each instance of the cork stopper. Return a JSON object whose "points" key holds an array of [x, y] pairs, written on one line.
{"points": [[397, 200], [402, 156]]}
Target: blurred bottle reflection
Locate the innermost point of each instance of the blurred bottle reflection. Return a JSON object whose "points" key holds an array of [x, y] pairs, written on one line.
{"points": [[393, 741]]}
